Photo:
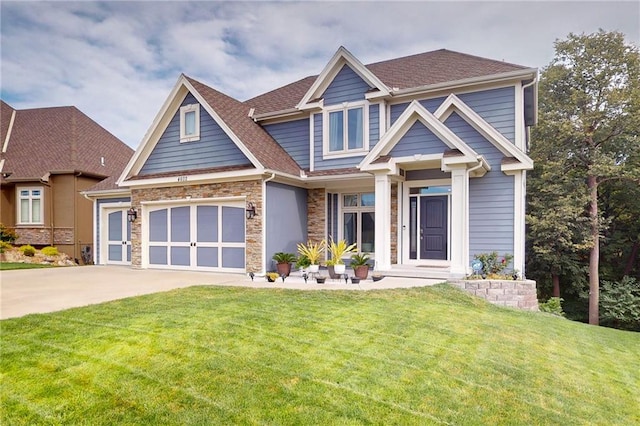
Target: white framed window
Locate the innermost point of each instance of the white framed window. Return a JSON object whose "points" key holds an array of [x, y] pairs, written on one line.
{"points": [[358, 220], [30, 206], [190, 123], [346, 129]]}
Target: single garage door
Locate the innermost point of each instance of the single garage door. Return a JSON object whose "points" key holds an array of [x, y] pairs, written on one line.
{"points": [[206, 237]]}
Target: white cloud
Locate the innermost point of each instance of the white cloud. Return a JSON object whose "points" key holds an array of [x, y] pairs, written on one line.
{"points": [[117, 61]]}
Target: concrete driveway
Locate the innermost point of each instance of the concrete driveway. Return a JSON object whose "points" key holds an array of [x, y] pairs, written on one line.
{"points": [[53, 289], [32, 291]]}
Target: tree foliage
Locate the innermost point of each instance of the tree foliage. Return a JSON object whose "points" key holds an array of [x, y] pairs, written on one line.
{"points": [[585, 145]]}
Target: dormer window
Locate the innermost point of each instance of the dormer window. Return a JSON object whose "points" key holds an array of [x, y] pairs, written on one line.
{"points": [[190, 123], [345, 129]]}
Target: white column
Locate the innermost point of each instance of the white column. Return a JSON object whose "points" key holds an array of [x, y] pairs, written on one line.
{"points": [[459, 221], [383, 222], [519, 185]]}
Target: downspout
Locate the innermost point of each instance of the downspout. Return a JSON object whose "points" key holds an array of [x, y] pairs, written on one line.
{"points": [[264, 222], [528, 136]]}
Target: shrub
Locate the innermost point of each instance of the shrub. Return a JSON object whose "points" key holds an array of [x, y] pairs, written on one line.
{"points": [[492, 264], [620, 304], [7, 234], [28, 250], [50, 251], [552, 306], [282, 257], [4, 246]]}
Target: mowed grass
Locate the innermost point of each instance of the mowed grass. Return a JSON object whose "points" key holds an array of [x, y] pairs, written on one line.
{"points": [[6, 266], [210, 355]]}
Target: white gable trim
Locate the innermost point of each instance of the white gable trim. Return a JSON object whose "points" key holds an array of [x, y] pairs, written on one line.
{"points": [[169, 108], [504, 145], [416, 112], [340, 58], [224, 127]]}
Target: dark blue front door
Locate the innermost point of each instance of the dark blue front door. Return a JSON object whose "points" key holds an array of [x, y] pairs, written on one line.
{"points": [[433, 228]]}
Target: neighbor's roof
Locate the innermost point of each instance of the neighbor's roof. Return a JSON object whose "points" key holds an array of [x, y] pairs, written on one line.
{"points": [[58, 139], [438, 66]]}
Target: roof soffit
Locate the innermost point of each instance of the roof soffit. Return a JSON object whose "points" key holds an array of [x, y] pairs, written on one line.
{"points": [[340, 58]]}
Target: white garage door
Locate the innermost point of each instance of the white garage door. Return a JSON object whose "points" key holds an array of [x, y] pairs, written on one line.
{"points": [[207, 237]]}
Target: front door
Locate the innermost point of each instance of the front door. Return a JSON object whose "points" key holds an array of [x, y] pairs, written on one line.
{"points": [[433, 227], [118, 237]]}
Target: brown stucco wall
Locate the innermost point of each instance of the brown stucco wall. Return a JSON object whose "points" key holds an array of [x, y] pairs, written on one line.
{"points": [[68, 216], [7, 205], [251, 190]]}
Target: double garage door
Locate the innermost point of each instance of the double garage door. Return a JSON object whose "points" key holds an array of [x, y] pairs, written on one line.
{"points": [[205, 237]]}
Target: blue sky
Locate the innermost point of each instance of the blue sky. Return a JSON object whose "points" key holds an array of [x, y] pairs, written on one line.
{"points": [[117, 61]]}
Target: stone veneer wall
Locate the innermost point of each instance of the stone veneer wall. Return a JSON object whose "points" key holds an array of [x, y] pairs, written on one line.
{"points": [[42, 236], [394, 223], [316, 214], [515, 294], [252, 190]]}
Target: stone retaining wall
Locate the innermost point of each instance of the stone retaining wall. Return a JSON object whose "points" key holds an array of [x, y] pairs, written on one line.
{"points": [[515, 294]]}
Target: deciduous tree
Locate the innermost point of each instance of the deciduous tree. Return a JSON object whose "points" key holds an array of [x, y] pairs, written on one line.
{"points": [[589, 99]]}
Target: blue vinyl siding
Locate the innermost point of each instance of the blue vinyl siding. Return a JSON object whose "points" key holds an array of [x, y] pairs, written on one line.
{"points": [[374, 125], [347, 86], [491, 197], [293, 136], [99, 202], [286, 219], [418, 140], [214, 149], [332, 163], [495, 106]]}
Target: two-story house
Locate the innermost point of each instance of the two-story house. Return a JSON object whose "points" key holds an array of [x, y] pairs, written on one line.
{"points": [[420, 160]]}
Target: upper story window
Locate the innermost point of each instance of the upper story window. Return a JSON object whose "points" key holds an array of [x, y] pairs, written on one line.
{"points": [[30, 206], [190, 123], [345, 129]]}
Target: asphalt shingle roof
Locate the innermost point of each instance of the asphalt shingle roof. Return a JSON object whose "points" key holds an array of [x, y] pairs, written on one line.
{"points": [[438, 66], [59, 139]]}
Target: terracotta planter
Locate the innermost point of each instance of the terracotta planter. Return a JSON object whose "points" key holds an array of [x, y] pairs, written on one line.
{"points": [[332, 273], [284, 269], [361, 271]]}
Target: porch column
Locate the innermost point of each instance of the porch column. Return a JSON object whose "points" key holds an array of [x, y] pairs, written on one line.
{"points": [[459, 221], [383, 222]]}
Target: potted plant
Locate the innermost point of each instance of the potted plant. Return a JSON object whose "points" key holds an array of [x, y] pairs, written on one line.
{"points": [[302, 263], [377, 276], [283, 262], [331, 269], [320, 279], [313, 252], [272, 276], [337, 250], [360, 266]]}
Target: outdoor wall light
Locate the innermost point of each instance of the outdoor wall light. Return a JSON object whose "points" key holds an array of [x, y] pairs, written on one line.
{"points": [[132, 214], [251, 210]]}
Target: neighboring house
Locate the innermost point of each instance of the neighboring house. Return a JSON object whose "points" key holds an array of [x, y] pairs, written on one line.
{"points": [[420, 160], [50, 155]]}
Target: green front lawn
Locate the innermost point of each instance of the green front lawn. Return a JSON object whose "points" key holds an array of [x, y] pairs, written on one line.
{"points": [[6, 266], [209, 355]]}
